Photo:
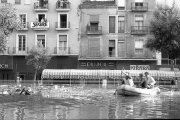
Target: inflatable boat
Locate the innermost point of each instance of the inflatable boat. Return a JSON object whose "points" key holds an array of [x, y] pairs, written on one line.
{"points": [[127, 90]]}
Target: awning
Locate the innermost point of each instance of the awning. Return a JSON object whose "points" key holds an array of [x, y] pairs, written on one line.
{"points": [[102, 74]]}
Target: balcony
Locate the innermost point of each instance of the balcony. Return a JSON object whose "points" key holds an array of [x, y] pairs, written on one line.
{"points": [[139, 30], [18, 51], [139, 6], [40, 25], [41, 7], [24, 26], [62, 26], [62, 50], [94, 30], [62, 6]]}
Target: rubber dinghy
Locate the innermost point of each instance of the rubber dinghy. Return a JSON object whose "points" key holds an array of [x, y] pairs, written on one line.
{"points": [[127, 90]]}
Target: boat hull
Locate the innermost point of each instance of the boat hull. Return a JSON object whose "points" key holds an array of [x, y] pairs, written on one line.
{"points": [[127, 90]]}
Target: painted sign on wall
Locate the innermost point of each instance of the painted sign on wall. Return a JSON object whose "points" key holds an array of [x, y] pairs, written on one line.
{"points": [[97, 64], [6, 62], [139, 67]]}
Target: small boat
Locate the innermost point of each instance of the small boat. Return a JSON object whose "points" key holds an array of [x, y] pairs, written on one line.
{"points": [[127, 90]]}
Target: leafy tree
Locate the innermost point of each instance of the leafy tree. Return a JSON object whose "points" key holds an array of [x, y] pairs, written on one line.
{"points": [[165, 30], [9, 22], [38, 57]]}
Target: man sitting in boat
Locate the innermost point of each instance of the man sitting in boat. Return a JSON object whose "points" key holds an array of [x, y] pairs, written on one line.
{"points": [[150, 80], [128, 81], [143, 82]]}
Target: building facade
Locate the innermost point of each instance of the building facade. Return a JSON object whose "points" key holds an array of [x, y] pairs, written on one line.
{"points": [[54, 24], [113, 34]]}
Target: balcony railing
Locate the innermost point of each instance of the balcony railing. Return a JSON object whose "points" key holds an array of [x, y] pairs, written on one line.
{"points": [[139, 6], [41, 7], [97, 30], [111, 54], [40, 25], [62, 6], [62, 25], [139, 30], [17, 50], [24, 26], [62, 50]]}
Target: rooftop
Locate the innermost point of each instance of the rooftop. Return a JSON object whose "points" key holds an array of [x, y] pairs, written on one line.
{"points": [[97, 4]]}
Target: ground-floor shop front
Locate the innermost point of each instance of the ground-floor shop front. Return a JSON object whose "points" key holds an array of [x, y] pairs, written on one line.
{"points": [[13, 66]]}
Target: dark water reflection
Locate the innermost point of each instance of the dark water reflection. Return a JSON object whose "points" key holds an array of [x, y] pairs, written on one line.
{"points": [[96, 103]]}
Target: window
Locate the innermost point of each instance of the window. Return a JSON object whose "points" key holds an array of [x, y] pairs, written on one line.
{"points": [[23, 20], [121, 22], [21, 42], [62, 42], [139, 21], [63, 21], [93, 47], [139, 46], [42, 18], [121, 48], [41, 40], [17, 1], [3, 1], [111, 24], [111, 48]]}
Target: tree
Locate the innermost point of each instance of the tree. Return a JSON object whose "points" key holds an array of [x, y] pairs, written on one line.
{"points": [[9, 22], [165, 30], [38, 57]]}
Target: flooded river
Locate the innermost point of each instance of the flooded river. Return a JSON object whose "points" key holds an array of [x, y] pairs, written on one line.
{"points": [[90, 101]]}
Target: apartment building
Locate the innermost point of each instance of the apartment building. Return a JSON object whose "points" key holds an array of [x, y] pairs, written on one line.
{"points": [[54, 24], [113, 34]]}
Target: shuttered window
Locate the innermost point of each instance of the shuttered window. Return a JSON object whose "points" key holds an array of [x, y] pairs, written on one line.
{"points": [[94, 18], [62, 42], [111, 24], [121, 22], [41, 40], [93, 47], [139, 46], [121, 48]]}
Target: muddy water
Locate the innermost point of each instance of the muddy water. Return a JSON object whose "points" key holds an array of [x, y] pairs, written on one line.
{"points": [[88, 102]]}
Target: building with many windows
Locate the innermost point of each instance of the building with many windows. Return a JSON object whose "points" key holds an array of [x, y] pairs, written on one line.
{"points": [[83, 34], [113, 34], [54, 24]]}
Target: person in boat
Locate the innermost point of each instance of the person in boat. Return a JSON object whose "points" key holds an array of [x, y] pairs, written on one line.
{"points": [[143, 82], [150, 80], [128, 80]]}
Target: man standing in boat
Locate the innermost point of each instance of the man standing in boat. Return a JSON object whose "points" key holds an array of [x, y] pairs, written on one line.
{"points": [[150, 80]]}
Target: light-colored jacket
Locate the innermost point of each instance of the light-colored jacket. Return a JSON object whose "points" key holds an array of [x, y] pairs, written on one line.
{"points": [[150, 80], [129, 82]]}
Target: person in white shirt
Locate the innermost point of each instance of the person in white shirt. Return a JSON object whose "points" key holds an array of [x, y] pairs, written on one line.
{"points": [[150, 80], [128, 81]]}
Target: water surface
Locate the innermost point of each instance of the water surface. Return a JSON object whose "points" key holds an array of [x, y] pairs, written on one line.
{"points": [[89, 102]]}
